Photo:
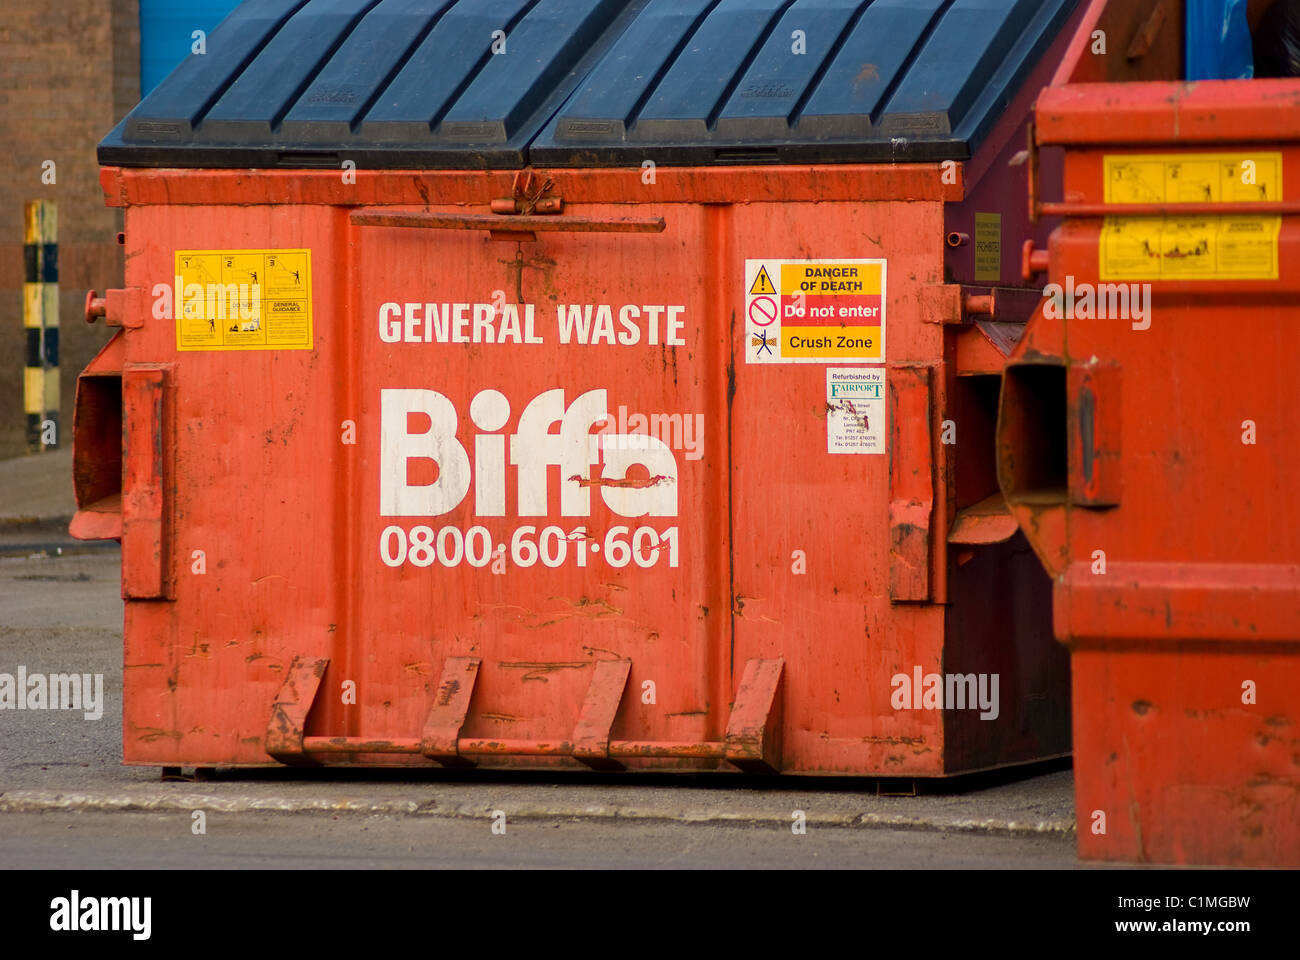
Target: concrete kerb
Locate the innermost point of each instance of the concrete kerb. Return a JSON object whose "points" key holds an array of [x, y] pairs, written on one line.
{"points": [[46, 801]]}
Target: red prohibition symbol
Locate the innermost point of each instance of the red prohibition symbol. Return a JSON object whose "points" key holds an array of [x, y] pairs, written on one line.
{"points": [[763, 311]]}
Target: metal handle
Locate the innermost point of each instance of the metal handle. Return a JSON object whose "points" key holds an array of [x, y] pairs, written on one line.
{"points": [[1033, 261], [1264, 209], [1094, 405], [1038, 208], [96, 306], [144, 484], [496, 223], [752, 740], [911, 484]]}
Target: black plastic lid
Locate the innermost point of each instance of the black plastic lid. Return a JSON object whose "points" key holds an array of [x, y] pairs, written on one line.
{"points": [[472, 83], [384, 83], [744, 81]]}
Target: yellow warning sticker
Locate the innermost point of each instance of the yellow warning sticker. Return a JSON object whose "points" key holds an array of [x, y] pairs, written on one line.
{"points": [[988, 247], [1193, 177], [852, 278], [829, 342], [243, 300], [762, 283], [1180, 248], [815, 311], [1208, 247]]}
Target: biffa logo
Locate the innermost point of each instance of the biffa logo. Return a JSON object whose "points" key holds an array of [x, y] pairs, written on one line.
{"points": [[575, 449]]}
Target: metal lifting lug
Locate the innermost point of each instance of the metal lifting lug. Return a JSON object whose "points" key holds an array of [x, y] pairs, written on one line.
{"points": [[113, 308], [528, 197]]}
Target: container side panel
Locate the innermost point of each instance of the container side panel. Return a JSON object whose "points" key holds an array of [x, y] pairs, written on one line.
{"points": [[1180, 768], [1196, 467], [256, 473], [811, 530]]}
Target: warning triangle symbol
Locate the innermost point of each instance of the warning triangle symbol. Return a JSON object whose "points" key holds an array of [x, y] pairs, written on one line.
{"points": [[762, 283]]}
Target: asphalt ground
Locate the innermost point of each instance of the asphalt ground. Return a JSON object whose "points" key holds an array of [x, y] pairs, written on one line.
{"points": [[131, 840]]}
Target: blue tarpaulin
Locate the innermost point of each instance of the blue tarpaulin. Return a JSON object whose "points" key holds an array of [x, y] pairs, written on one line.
{"points": [[1218, 40], [167, 33]]}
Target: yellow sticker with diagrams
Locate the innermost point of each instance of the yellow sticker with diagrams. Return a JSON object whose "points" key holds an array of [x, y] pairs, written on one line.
{"points": [[1204, 247], [243, 300]]}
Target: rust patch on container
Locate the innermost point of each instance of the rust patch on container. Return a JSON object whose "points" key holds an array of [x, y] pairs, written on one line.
{"points": [[624, 482], [583, 602], [868, 74], [853, 412], [285, 728], [441, 732], [539, 670], [446, 691], [150, 734], [610, 654]]}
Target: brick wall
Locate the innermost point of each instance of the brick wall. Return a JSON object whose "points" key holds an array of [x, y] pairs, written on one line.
{"points": [[69, 70]]}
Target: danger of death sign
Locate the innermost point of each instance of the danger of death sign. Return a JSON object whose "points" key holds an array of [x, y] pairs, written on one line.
{"points": [[814, 311]]}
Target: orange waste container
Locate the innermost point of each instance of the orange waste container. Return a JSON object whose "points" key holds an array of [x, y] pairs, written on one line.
{"points": [[1146, 438], [576, 383]]}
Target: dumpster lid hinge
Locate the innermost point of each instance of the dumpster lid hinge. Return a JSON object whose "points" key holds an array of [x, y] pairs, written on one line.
{"points": [[529, 194]]}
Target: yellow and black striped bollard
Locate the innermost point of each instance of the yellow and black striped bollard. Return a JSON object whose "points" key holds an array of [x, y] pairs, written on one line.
{"points": [[41, 321]]}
